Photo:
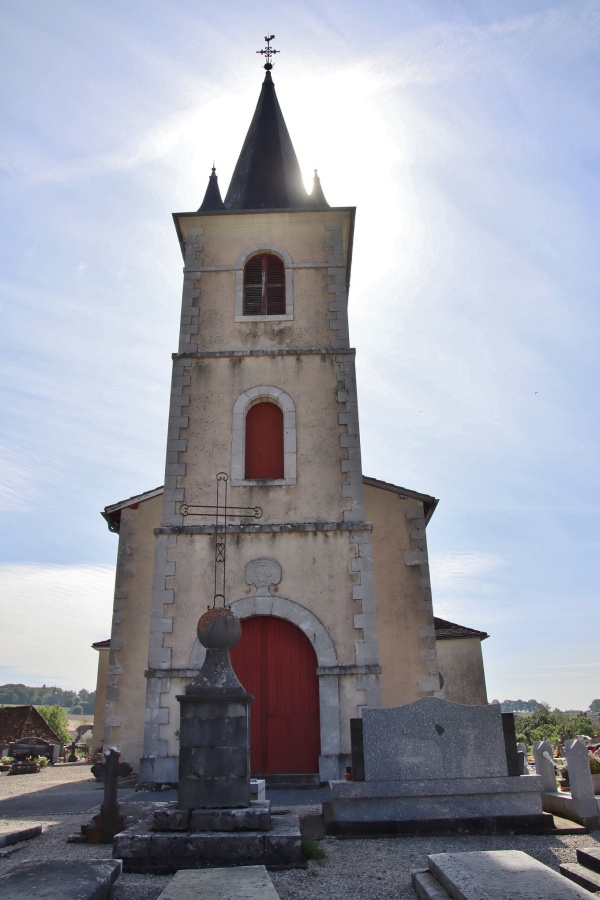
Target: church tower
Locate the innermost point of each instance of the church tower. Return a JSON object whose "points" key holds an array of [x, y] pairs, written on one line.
{"points": [[264, 390]]}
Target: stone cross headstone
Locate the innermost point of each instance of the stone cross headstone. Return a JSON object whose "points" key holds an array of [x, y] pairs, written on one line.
{"points": [[109, 821]]}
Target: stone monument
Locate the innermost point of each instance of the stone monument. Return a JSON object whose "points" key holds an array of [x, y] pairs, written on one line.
{"points": [[433, 766], [213, 822]]}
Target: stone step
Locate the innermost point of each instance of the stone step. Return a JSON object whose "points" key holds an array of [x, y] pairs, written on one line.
{"points": [[500, 875], [57, 879], [589, 857], [240, 883], [161, 853], [426, 887], [581, 875]]}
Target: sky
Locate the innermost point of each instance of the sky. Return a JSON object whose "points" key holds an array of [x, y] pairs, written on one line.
{"points": [[467, 135]]}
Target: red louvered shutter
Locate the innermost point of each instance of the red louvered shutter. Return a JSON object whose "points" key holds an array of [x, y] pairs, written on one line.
{"points": [[276, 663], [264, 286], [264, 441], [275, 286]]}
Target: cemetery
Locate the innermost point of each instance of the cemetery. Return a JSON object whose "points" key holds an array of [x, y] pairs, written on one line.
{"points": [[429, 770]]}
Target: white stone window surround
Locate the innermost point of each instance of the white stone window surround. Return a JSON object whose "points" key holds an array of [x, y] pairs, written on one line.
{"points": [[262, 393], [239, 283]]}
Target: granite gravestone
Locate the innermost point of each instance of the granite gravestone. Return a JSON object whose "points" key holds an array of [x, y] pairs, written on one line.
{"points": [[433, 738], [432, 767]]}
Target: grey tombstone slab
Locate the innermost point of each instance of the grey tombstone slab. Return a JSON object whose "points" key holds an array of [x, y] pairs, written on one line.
{"points": [[501, 875], [434, 766], [544, 767], [433, 738], [57, 879], [242, 883]]}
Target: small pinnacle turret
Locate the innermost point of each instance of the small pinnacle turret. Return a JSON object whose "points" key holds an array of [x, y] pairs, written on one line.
{"points": [[212, 198]]}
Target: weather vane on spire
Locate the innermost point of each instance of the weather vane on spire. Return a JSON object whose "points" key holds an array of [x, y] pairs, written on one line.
{"points": [[268, 52]]}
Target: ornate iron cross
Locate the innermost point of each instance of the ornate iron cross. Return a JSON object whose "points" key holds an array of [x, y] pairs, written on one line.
{"points": [[221, 513], [268, 52]]}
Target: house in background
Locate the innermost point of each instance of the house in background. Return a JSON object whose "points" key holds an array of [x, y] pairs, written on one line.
{"points": [[25, 725]]}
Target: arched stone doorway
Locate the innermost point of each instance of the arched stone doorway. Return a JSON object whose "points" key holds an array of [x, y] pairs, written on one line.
{"points": [[276, 663]]}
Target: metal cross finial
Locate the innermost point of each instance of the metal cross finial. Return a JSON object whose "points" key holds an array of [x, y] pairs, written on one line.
{"points": [[221, 512], [268, 52]]}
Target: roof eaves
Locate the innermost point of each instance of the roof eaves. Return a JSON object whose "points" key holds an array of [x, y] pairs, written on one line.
{"points": [[429, 502], [112, 513], [445, 630]]}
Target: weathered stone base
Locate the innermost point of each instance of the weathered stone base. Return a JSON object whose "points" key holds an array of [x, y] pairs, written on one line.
{"points": [[256, 817], [162, 853], [584, 811], [436, 806], [542, 824]]}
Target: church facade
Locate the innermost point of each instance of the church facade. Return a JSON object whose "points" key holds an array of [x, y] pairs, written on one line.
{"points": [[326, 568]]}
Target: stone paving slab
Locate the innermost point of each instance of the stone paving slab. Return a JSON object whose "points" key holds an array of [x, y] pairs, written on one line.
{"points": [[501, 875], [19, 834], [59, 879], [241, 883]]}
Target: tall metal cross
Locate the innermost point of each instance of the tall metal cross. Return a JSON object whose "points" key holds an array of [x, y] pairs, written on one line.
{"points": [[268, 52], [221, 513]]}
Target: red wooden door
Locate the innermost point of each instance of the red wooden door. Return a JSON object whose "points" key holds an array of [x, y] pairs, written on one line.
{"points": [[264, 441], [276, 663]]}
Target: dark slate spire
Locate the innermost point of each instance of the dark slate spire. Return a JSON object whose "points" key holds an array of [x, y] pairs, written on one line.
{"points": [[317, 197], [267, 174], [212, 198]]}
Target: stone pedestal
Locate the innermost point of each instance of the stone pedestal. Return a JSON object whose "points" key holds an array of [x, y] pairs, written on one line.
{"points": [[214, 758], [214, 822]]}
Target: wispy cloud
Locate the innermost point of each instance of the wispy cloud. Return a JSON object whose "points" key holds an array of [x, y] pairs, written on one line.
{"points": [[22, 472], [463, 570], [50, 617]]}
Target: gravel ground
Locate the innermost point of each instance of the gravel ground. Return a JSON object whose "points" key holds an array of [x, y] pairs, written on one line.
{"points": [[375, 869]]}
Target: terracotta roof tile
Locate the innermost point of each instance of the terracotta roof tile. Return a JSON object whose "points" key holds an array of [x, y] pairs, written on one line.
{"points": [[18, 722], [445, 630]]}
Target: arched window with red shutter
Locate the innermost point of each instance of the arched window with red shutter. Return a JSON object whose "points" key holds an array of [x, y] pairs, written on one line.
{"points": [[264, 442], [264, 286]]}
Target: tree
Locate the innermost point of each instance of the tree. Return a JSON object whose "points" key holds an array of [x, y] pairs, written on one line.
{"points": [[544, 725], [595, 706], [56, 718]]}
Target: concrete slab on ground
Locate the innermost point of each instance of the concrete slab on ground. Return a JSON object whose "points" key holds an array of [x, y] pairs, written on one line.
{"points": [[56, 879], [241, 883], [426, 887], [582, 876], [500, 875], [14, 836]]}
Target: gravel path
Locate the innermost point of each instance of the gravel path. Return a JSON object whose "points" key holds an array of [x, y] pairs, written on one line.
{"points": [[375, 869]]}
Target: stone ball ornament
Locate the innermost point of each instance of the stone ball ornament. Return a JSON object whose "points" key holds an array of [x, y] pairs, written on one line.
{"points": [[219, 629]]}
